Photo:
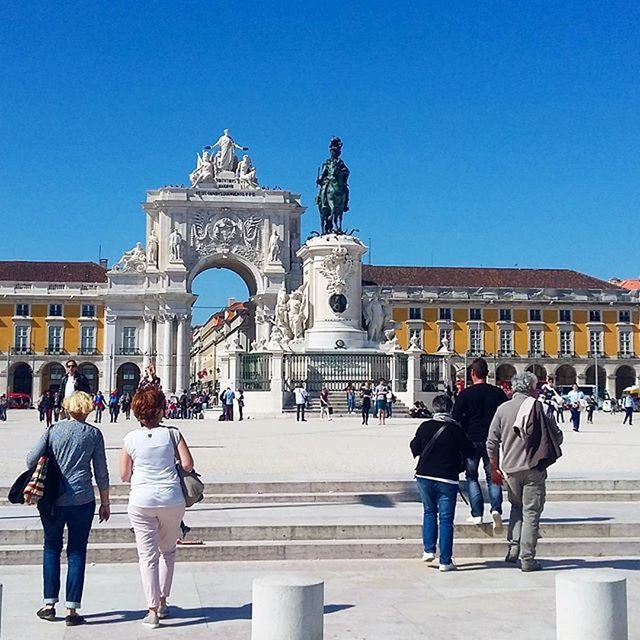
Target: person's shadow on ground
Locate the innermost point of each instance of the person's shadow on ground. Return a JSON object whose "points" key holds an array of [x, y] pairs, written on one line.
{"points": [[181, 617]]}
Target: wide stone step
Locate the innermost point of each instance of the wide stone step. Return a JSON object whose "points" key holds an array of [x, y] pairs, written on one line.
{"points": [[311, 533], [338, 549]]}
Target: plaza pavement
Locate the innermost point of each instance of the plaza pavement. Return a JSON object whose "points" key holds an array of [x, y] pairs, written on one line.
{"points": [[365, 599]]}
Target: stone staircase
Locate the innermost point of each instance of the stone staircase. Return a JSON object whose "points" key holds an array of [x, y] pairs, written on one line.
{"points": [[339, 403], [346, 520]]}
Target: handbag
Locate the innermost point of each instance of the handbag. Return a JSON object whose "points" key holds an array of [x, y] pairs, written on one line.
{"points": [[192, 486], [39, 484]]}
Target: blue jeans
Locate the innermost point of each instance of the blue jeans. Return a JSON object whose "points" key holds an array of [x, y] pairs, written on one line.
{"points": [[575, 418], [78, 519], [438, 500], [351, 404], [473, 484]]}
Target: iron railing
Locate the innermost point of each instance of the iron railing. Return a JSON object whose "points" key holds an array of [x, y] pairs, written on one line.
{"points": [[335, 370], [402, 371], [255, 371], [430, 372]]}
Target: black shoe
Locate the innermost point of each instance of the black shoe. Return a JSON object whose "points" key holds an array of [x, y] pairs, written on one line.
{"points": [[530, 565], [512, 555], [576, 430], [184, 529], [47, 613], [74, 621]]}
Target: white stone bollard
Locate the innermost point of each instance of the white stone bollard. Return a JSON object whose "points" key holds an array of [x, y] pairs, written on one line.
{"points": [[287, 606], [591, 604]]}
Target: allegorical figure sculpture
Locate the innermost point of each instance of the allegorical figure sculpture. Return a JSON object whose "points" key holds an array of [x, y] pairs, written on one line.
{"points": [[333, 190], [225, 159], [275, 252], [152, 250], [175, 246], [246, 173]]}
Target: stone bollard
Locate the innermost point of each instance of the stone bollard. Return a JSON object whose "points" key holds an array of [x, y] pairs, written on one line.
{"points": [[591, 604], [287, 606]]}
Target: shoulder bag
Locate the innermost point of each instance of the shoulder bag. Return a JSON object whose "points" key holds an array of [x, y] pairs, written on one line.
{"points": [[192, 486]]}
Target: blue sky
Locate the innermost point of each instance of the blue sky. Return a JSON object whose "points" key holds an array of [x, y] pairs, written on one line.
{"points": [[477, 133]]}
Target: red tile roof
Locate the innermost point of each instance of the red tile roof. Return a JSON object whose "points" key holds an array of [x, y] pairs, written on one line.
{"points": [[23, 271], [632, 285], [480, 277]]}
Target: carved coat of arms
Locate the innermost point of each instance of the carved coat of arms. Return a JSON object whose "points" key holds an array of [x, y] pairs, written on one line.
{"points": [[337, 267]]}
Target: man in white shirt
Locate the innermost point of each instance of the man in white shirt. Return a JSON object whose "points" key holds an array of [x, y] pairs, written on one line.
{"points": [[576, 398], [300, 395], [73, 381]]}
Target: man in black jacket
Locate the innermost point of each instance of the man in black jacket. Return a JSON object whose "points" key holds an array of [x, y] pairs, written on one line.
{"points": [[440, 444], [474, 410], [73, 381]]}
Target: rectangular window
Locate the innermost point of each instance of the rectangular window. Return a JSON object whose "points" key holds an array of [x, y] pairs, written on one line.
{"points": [[54, 342], [506, 341], [55, 310], [535, 315], [595, 342], [415, 313], [22, 339], [505, 315], [22, 310], [446, 334], [475, 314], [88, 311], [129, 339], [87, 339], [566, 343], [565, 315], [625, 343], [445, 314], [535, 342], [416, 336], [594, 315], [625, 316], [475, 341]]}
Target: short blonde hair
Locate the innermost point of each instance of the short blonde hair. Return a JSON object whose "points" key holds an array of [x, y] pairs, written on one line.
{"points": [[78, 403]]}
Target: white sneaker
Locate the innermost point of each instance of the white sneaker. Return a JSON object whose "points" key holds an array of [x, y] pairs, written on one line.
{"points": [[497, 522], [474, 519], [151, 620], [428, 557], [163, 612], [448, 567]]}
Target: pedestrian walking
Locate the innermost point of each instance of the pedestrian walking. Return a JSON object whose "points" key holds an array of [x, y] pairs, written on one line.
{"points": [[184, 405], [325, 404], [576, 397], [300, 396], [350, 390], [76, 447], [71, 382], [99, 405], [523, 441], [381, 392], [228, 397], [628, 409], [240, 401], [366, 393], [440, 444], [474, 409], [114, 406], [46, 408], [591, 407], [125, 404], [156, 502], [3, 407]]}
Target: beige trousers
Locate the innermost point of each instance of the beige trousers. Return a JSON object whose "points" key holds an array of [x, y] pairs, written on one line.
{"points": [[156, 530]]}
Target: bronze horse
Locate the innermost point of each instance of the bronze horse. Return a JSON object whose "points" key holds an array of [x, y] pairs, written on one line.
{"points": [[333, 193]]}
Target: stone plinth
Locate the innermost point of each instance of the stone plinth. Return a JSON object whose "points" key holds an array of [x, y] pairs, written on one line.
{"points": [[332, 271]]}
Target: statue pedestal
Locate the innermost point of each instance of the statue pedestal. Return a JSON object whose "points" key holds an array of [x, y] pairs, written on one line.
{"points": [[332, 271]]}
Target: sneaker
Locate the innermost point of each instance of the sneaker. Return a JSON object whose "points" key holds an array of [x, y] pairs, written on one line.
{"points": [[530, 565], [74, 620], [474, 519], [512, 555], [497, 522], [47, 613], [428, 557], [163, 612], [448, 567], [151, 620]]}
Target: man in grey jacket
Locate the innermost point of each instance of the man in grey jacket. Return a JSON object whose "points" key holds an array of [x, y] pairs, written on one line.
{"points": [[526, 485]]}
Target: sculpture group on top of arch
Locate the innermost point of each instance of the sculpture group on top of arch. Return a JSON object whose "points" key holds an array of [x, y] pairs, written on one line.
{"points": [[224, 164]]}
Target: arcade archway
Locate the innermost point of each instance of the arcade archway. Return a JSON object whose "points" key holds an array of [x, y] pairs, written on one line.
{"points": [[20, 378], [538, 371], [127, 378], [565, 375], [52, 374], [504, 373], [625, 377], [91, 372], [590, 378]]}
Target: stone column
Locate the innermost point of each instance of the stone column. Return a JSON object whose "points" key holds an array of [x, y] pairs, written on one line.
{"points": [[181, 351], [414, 381], [146, 340], [165, 353], [108, 354]]}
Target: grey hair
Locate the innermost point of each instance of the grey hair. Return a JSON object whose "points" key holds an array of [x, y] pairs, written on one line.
{"points": [[524, 382], [442, 404]]}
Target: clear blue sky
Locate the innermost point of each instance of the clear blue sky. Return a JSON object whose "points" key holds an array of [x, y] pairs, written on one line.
{"points": [[477, 133]]}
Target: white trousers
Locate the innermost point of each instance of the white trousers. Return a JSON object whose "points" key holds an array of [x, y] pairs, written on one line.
{"points": [[156, 530]]}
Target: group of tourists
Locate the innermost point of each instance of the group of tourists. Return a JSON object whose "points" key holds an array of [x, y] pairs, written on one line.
{"points": [[149, 461], [515, 439]]}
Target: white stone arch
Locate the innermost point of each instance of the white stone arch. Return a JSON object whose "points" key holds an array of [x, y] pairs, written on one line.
{"points": [[248, 271]]}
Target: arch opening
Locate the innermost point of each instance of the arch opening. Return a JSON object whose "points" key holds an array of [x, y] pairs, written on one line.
{"points": [[52, 375], [565, 376], [538, 371], [625, 377], [127, 378], [504, 373], [21, 378], [91, 372]]}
